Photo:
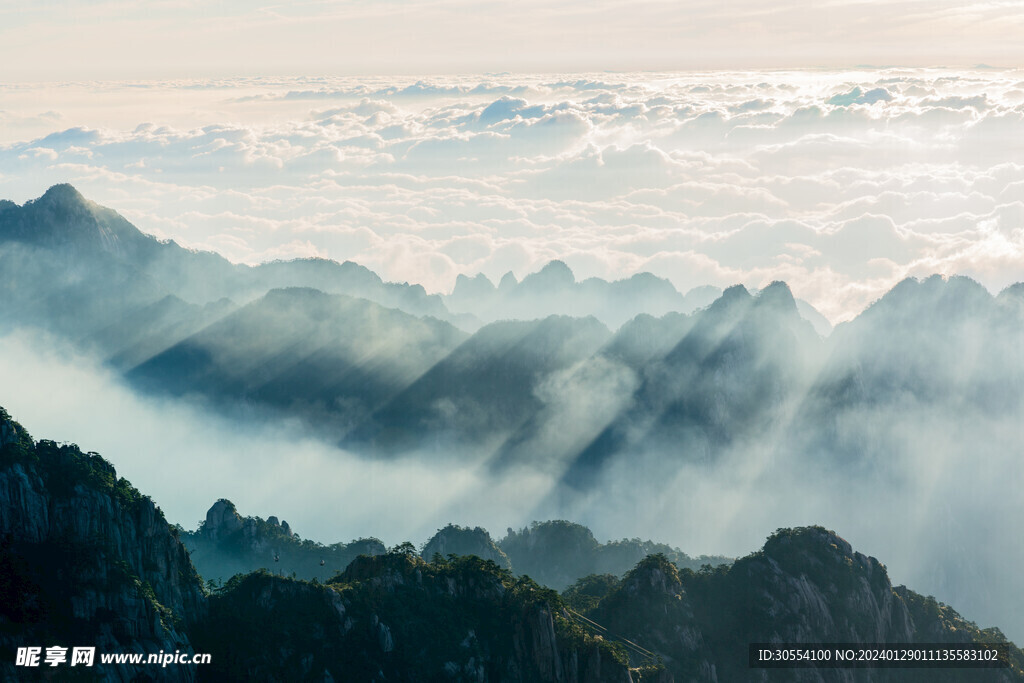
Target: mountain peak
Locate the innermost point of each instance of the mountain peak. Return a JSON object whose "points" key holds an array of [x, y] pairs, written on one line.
{"points": [[62, 217], [778, 296], [736, 295], [807, 537], [508, 282], [554, 274], [953, 295], [63, 194], [11, 432], [653, 574], [222, 519], [479, 285]]}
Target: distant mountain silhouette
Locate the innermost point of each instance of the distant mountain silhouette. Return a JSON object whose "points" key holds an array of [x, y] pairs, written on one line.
{"points": [[553, 290], [927, 382], [728, 377], [484, 389], [329, 358], [62, 241]]}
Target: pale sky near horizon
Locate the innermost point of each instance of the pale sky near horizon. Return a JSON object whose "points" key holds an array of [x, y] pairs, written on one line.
{"points": [[103, 39], [840, 183], [762, 152]]}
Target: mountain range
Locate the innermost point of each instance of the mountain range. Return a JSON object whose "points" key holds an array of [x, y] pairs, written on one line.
{"points": [[88, 560], [628, 398], [386, 369], [557, 553]]}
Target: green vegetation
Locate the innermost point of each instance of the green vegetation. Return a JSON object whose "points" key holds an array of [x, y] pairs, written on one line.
{"points": [[18, 445], [395, 613], [245, 544], [584, 595], [558, 552], [804, 580], [458, 540]]}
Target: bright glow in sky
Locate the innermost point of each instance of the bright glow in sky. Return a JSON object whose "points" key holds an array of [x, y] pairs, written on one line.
{"points": [[841, 179], [60, 39]]}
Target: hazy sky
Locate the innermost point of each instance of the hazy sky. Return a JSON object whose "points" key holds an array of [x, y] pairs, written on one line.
{"points": [[707, 142], [106, 39]]}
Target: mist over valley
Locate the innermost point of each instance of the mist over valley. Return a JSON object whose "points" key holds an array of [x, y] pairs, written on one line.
{"points": [[353, 407]]}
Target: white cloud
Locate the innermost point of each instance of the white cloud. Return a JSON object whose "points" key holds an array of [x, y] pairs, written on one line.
{"points": [[840, 183]]}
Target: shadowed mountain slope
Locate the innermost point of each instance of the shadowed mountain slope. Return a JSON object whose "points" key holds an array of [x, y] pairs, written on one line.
{"points": [[484, 389], [331, 359], [805, 586]]}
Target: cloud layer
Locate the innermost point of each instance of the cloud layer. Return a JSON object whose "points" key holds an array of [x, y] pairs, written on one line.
{"points": [[840, 183]]}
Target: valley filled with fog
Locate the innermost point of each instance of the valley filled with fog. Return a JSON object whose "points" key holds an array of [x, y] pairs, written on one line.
{"points": [[374, 307]]}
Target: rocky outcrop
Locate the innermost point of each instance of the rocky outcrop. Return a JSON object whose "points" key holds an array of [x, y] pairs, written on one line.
{"points": [[222, 520], [87, 560], [805, 586], [396, 617], [458, 540], [227, 543], [557, 553]]}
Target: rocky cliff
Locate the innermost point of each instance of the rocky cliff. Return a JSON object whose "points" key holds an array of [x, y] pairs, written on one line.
{"points": [[805, 586], [459, 540], [395, 617], [227, 544], [85, 559]]}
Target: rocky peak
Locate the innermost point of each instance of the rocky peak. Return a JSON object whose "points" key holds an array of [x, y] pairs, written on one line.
{"points": [[555, 274], [818, 547], [508, 282], [63, 217], [64, 209], [732, 298], [222, 520], [457, 540], [653, 575], [11, 432], [472, 287], [89, 554], [777, 296], [936, 294], [63, 195]]}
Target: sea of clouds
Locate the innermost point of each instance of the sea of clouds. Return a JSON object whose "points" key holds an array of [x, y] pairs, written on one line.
{"points": [[839, 183]]}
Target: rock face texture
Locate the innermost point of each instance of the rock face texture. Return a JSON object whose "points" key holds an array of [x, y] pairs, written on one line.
{"points": [[396, 617], [806, 585], [458, 540], [85, 559], [228, 543]]}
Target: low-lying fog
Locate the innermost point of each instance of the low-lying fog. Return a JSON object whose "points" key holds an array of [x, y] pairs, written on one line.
{"points": [[942, 513]]}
